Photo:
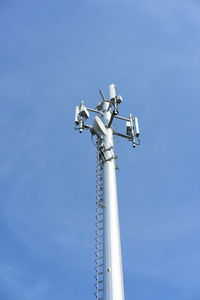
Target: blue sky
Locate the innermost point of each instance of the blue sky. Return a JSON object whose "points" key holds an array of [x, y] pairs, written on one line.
{"points": [[53, 54]]}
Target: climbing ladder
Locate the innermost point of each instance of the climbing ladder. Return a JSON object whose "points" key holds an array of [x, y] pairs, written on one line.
{"points": [[99, 232]]}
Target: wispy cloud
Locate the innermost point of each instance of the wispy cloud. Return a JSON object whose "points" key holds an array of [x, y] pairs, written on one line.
{"points": [[19, 282]]}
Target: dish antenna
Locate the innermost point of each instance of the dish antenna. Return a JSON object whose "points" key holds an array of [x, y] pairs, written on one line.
{"points": [[98, 127]]}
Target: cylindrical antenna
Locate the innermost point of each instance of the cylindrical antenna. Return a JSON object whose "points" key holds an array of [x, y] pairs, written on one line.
{"points": [[137, 130], [76, 120], [112, 90]]}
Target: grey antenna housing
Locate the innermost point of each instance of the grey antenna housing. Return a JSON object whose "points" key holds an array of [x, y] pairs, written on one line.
{"points": [[84, 113]]}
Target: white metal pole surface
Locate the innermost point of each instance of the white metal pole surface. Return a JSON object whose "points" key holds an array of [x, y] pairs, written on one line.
{"points": [[113, 272]]}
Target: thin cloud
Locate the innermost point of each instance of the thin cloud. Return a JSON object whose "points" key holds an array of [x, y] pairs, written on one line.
{"points": [[22, 283]]}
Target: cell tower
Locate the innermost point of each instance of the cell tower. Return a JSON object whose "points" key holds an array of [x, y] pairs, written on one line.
{"points": [[108, 260]]}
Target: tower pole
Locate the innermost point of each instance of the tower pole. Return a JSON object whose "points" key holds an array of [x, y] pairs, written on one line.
{"points": [[109, 283], [113, 272]]}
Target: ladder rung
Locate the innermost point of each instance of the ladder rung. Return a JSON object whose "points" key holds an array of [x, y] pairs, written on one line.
{"points": [[97, 292], [99, 242], [97, 231], [98, 267], [100, 214], [99, 222], [97, 237], [100, 281], [100, 257], [99, 228], [99, 217], [99, 249], [97, 276], [98, 252]]}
